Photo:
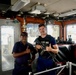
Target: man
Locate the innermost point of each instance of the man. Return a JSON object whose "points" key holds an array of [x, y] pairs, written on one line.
{"points": [[21, 52], [69, 38], [47, 48]]}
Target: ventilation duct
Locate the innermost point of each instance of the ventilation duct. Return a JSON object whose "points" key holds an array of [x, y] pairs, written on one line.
{"points": [[19, 4], [69, 13], [37, 9]]}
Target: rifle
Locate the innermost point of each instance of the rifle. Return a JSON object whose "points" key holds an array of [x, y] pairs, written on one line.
{"points": [[43, 50]]}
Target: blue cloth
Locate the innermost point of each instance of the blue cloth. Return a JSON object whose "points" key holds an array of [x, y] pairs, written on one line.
{"points": [[20, 47], [21, 63], [46, 41], [44, 64], [20, 69]]}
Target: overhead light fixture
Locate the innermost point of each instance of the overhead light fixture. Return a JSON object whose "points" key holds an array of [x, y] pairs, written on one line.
{"points": [[72, 12], [36, 12], [47, 13], [38, 9], [19, 4]]}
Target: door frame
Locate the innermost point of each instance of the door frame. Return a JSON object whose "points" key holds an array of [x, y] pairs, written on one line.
{"points": [[17, 32]]}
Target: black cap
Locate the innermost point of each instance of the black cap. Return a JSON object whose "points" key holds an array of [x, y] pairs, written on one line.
{"points": [[24, 34]]}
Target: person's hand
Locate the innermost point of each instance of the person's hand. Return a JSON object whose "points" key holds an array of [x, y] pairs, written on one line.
{"points": [[27, 50], [48, 48], [38, 46]]}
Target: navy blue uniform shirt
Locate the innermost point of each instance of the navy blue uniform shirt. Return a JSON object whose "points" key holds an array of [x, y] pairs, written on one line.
{"points": [[20, 47], [46, 41]]}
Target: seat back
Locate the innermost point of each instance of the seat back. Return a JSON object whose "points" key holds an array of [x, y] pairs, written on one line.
{"points": [[64, 54]]}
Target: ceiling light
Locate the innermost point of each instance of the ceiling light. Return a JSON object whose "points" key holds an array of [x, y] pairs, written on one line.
{"points": [[47, 13], [36, 12], [19, 4], [37, 9], [56, 14]]}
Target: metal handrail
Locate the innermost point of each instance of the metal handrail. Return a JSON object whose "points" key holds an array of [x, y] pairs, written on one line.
{"points": [[49, 70], [68, 65]]}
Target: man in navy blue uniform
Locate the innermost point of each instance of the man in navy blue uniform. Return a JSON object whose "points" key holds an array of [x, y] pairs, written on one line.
{"points": [[21, 52], [47, 48]]}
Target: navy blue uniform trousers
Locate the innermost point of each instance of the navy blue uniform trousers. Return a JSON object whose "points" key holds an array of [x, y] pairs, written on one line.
{"points": [[21, 69], [43, 64]]}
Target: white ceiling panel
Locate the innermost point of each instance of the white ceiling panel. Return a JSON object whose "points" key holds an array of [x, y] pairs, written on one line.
{"points": [[53, 6]]}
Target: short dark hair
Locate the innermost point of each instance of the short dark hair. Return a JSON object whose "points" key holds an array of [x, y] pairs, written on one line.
{"points": [[24, 34], [41, 25]]}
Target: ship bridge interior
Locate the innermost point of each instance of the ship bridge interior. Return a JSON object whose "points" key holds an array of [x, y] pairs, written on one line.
{"points": [[17, 16]]}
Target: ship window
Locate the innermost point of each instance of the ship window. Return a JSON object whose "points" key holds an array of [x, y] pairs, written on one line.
{"points": [[32, 30], [7, 42], [71, 30], [53, 30]]}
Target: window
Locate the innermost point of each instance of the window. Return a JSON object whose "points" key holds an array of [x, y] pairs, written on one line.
{"points": [[32, 30], [53, 30], [9, 34], [7, 42], [71, 30]]}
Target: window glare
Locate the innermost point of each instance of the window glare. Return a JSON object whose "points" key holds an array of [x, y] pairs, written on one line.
{"points": [[7, 42], [32, 30], [71, 30], [53, 30]]}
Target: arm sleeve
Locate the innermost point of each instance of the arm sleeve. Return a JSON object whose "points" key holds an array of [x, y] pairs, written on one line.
{"points": [[33, 50], [15, 48], [37, 42], [53, 41]]}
